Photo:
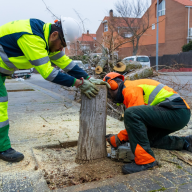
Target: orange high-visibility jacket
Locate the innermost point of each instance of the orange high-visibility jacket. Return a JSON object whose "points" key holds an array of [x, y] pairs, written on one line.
{"points": [[148, 92]]}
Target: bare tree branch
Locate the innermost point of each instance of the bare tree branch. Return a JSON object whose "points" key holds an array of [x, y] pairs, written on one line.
{"points": [[82, 20], [50, 11]]}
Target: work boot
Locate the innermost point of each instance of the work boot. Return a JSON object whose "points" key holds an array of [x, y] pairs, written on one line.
{"points": [[11, 155], [188, 143], [133, 167]]}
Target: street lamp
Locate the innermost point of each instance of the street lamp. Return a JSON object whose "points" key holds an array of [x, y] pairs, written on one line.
{"points": [[157, 37]]}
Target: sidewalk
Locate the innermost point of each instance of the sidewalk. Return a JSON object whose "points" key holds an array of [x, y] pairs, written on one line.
{"points": [[44, 118], [37, 118]]}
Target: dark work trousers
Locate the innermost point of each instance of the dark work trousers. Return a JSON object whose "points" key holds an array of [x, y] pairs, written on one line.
{"points": [[149, 126]]}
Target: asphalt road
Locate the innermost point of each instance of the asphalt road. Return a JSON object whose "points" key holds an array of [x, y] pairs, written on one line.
{"points": [[181, 84], [37, 79]]}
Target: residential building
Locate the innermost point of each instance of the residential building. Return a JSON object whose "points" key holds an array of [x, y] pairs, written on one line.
{"points": [[175, 29], [84, 45]]}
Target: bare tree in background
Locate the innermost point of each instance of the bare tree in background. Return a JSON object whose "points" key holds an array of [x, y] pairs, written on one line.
{"points": [[111, 39], [135, 20]]}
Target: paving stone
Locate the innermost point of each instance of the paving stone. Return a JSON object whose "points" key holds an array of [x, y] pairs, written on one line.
{"points": [[145, 181], [141, 188], [121, 188], [188, 169], [163, 182], [12, 186], [27, 182], [168, 174], [153, 186], [179, 180], [189, 178], [105, 189], [171, 190], [175, 179], [91, 190], [180, 172], [183, 190], [134, 183], [186, 187], [29, 189]]}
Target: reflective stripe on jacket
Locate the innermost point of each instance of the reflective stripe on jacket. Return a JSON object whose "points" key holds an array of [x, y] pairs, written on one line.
{"points": [[151, 92], [24, 44]]}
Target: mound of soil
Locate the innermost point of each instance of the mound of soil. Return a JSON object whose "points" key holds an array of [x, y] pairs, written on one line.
{"points": [[60, 169]]}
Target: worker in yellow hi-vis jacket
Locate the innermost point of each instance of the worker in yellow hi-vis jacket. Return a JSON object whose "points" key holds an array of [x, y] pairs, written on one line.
{"points": [[32, 43]]}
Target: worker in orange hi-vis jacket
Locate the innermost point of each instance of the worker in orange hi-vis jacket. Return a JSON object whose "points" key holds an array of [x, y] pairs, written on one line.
{"points": [[153, 111]]}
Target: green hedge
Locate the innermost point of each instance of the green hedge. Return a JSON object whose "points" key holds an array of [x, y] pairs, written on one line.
{"points": [[187, 47]]}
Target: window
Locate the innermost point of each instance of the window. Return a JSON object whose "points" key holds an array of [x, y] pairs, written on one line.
{"points": [[153, 26], [94, 38], [161, 10], [129, 59], [142, 59], [105, 27], [128, 35]]}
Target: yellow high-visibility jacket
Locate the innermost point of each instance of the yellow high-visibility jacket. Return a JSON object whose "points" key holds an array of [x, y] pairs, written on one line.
{"points": [[24, 44]]}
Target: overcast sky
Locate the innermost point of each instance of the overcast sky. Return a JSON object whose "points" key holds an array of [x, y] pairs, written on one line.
{"points": [[91, 10]]}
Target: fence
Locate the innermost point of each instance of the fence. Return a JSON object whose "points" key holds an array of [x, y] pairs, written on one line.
{"points": [[178, 62]]}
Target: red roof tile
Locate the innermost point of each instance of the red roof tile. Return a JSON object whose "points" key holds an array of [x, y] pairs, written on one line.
{"points": [[185, 2], [87, 37]]}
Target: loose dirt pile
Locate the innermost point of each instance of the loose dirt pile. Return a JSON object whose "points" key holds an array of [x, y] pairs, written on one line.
{"points": [[60, 169]]}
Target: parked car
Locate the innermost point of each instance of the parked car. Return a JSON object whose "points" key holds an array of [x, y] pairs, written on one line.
{"points": [[143, 59], [24, 73]]}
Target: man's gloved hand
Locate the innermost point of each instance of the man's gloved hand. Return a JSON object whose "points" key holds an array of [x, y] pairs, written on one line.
{"points": [[88, 88], [113, 140], [99, 82]]}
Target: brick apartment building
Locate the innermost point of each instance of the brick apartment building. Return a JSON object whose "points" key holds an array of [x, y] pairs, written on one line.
{"points": [[85, 44], [175, 29]]}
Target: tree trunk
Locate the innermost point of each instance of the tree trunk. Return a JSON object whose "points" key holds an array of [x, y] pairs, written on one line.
{"points": [[101, 65], [139, 73], [126, 66], [92, 128]]}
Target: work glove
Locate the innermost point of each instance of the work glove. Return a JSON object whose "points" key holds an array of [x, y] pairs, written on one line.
{"points": [[113, 140], [88, 88], [99, 82]]}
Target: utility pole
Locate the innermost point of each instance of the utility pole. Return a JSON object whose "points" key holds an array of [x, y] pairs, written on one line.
{"points": [[157, 37]]}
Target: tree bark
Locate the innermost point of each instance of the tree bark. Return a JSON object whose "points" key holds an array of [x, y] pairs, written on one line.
{"points": [[101, 65], [92, 128], [125, 66], [140, 73]]}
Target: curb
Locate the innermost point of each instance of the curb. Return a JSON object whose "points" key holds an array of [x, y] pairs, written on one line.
{"points": [[176, 73]]}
